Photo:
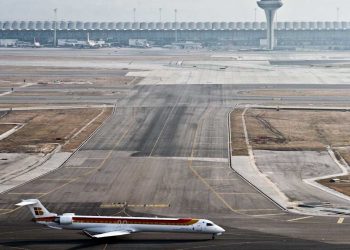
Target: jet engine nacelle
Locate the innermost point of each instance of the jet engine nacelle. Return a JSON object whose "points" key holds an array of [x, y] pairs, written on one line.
{"points": [[66, 219]]}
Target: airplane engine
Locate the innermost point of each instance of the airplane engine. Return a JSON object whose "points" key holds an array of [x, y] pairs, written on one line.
{"points": [[66, 219]]}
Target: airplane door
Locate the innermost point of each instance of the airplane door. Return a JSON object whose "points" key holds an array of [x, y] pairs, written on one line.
{"points": [[199, 227]]}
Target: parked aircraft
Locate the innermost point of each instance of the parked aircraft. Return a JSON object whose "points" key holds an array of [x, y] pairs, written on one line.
{"points": [[108, 226], [36, 44], [90, 44]]}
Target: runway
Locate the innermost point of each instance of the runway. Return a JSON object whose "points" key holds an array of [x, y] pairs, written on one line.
{"points": [[163, 146], [164, 151]]}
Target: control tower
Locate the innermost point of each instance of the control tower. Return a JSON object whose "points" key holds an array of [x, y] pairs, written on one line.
{"points": [[270, 7]]}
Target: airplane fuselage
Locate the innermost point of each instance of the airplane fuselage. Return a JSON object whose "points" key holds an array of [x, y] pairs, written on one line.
{"points": [[103, 224], [110, 226]]}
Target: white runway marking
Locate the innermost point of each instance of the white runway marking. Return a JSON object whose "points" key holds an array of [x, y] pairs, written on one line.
{"points": [[300, 218], [340, 221]]}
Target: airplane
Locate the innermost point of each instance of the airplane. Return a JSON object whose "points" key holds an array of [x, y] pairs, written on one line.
{"points": [[36, 44], [111, 226], [88, 44]]}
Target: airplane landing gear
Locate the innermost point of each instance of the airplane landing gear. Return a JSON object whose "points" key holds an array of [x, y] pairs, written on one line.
{"points": [[213, 237]]}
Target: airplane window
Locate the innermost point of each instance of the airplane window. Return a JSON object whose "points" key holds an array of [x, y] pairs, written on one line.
{"points": [[209, 225]]}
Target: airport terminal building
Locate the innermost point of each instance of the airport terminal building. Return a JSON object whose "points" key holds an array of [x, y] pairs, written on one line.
{"points": [[326, 35]]}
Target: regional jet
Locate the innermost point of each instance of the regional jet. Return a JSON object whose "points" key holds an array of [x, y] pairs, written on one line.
{"points": [[108, 226]]}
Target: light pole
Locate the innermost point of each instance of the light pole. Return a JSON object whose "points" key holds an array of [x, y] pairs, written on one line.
{"points": [[55, 28], [338, 14], [255, 14], [134, 10], [160, 14], [175, 12]]}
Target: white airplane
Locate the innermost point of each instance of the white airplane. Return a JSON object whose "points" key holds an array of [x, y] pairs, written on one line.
{"points": [[108, 226], [36, 44], [88, 44]]}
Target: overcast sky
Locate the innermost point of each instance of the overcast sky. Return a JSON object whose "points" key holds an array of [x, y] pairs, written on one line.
{"points": [[188, 10]]}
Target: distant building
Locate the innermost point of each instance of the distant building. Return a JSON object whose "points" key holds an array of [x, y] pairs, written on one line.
{"points": [[324, 35], [187, 45], [8, 42]]}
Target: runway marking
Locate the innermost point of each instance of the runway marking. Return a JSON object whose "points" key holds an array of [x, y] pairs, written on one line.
{"points": [[105, 247], [21, 248], [208, 149], [207, 166], [341, 220], [300, 218], [257, 209], [85, 127], [165, 124], [234, 193], [26, 193], [209, 143], [122, 205], [55, 179], [20, 231], [202, 179], [219, 246], [82, 167], [77, 178], [213, 137], [201, 159], [209, 179], [94, 169], [262, 215]]}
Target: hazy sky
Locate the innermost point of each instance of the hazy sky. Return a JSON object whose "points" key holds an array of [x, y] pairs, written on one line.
{"points": [[188, 10]]}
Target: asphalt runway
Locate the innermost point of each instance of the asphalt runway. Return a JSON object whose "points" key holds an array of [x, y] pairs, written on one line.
{"points": [[165, 146], [164, 152], [226, 96]]}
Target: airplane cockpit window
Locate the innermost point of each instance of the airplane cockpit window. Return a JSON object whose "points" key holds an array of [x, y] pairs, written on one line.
{"points": [[209, 225]]}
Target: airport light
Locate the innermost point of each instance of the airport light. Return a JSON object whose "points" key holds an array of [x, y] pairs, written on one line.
{"points": [[134, 10], [255, 10], [175, 12], [55, 28]]}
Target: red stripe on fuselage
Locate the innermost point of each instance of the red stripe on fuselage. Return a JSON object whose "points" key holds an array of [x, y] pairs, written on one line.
{"points": [[45, 219], [109, 220], [179, 222]]}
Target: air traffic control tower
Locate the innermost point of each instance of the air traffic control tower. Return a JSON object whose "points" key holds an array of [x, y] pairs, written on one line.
{"points": [[270, 7]]}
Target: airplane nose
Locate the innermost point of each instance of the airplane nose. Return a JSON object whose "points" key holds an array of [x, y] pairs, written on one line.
{"points": [[221, 230]]}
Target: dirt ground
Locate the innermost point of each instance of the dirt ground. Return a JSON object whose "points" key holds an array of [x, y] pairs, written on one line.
{"points": [[77, 139], [344, 184], [281, 93], [5, 127], [238, 144], [8, 106], [45, 129], [140, 56], [61, 93], [295, 130], [57, 75], [345, 153]]}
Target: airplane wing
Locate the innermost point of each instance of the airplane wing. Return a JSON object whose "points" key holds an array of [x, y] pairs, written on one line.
{"points": [[108, 234]]}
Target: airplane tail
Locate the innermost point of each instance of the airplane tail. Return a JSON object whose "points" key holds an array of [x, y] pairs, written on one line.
{"points": [[36, 208]]}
